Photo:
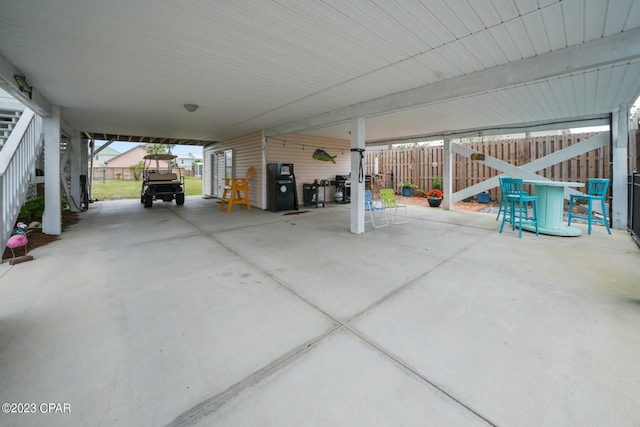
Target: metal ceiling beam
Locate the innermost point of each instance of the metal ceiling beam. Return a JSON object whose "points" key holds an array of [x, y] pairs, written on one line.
{"points": [[618, 48]]}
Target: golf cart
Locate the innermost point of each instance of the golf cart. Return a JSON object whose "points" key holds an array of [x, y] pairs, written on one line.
{"points": [[159, 182]]}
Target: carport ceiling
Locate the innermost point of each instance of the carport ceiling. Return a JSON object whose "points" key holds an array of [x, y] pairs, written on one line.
{"points": [[414, 67]]}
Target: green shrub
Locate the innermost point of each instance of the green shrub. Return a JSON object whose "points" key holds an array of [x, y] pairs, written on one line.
{"points": [[33, 209], [137, 170], [436, 183]]}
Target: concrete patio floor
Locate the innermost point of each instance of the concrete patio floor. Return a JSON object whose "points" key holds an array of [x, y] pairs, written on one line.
{"points": [[186, 315]]}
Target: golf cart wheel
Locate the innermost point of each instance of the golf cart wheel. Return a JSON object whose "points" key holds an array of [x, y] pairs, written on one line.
{"points": [[148, 201], [180, 199]]}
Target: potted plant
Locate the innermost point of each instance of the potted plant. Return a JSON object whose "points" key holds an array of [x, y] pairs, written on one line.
{"points": [[406, 188], [434, 197]]}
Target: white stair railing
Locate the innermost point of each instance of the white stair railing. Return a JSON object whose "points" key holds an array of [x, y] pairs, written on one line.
{"points": [[17, 159]]}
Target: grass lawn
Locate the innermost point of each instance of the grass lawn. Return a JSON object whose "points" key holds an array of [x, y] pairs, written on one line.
{"points": [[121, 189]]}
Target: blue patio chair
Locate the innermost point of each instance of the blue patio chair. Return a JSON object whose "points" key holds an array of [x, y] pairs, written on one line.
{"points": [[518, 210], [373, 207], [596, 192]]}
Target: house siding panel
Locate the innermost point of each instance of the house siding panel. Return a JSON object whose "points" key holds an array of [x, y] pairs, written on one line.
{"points": [[298, 149]]}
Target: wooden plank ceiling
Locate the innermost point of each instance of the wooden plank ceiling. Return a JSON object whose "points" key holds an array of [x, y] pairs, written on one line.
{"points": [[127, 68]]}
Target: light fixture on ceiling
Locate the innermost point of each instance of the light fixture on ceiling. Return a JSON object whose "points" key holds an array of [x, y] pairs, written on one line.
{"points": [[191, 107]]}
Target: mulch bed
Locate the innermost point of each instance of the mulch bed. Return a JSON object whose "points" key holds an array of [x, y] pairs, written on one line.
{"points": [[37, 238], [471, 206]]}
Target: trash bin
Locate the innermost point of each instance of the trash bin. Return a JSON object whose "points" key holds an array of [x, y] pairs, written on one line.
{"points": [[281, 187]]}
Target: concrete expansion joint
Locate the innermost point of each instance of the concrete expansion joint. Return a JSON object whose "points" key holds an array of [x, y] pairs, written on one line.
{"points": [[211, 405], [400, 289], [412, 371]]}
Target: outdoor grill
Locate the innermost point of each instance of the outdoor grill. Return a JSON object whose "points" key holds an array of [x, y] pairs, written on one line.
{"points": [[343, 184]]}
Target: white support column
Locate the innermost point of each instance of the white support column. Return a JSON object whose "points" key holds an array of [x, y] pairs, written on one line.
{"points": [[84, 157], [52, 217], [263, 176], [84, 164], [620, 172], [357, 188], [75, 156], [92, 145], [447, 173]]}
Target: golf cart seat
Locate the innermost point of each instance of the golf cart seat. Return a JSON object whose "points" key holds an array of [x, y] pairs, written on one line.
{"points": [[155, 177]]}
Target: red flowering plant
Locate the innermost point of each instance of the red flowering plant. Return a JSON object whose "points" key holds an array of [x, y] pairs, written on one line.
{"points": [[435, 193]]}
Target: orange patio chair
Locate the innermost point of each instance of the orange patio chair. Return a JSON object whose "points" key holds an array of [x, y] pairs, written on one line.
{"points": [[236, 191]]}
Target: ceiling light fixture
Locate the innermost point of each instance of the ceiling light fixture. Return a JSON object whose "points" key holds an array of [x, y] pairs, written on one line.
{"points": [[191, 107]]}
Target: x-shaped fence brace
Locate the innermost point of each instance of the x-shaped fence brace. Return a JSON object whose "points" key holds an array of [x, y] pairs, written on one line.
{"points": [[526, 171]]}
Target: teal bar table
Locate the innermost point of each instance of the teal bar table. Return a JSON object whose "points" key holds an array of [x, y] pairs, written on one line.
{"points": [[551, 207]]}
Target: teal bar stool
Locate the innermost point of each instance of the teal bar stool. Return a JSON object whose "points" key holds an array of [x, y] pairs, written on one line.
{"points": [[503, 198], [596, 192], [518, 201]]}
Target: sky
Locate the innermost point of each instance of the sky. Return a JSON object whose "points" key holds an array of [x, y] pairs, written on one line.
{"points": [[121, 147]]}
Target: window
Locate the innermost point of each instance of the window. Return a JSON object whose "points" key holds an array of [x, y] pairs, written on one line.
{"points": [[228, 164]]}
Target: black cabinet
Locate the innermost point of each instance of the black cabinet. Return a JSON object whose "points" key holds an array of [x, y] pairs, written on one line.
{"points": [[311, 194]]}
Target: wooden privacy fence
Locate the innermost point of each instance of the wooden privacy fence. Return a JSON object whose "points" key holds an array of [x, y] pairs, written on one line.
{"points": [[418, 165], [108, 174]]}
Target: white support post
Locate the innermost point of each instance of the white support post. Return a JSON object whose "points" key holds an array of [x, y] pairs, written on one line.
{"points": [[75, 157], [92, 146], [620, 135], [84, 157], [447, 173], [52, 216], [357, 188], [263, 161]]}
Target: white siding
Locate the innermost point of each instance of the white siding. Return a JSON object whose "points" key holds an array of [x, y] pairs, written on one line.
{"points": [[298, 149]]}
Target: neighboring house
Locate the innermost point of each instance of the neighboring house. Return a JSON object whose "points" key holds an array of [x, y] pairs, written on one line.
{"points": [[128, 158], [187, 161], [102, 158], [199, 163], [118, 167]]}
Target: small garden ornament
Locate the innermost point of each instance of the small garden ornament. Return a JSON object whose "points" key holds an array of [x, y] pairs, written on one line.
{"points": [[17, 240]]}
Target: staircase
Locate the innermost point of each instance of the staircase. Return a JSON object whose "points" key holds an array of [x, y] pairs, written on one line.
{"points": [[8, 120], [21, 140]]}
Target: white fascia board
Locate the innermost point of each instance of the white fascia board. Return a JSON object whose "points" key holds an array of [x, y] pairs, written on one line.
{"points": [[598, 120], [597, 53], [37, 103]]}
